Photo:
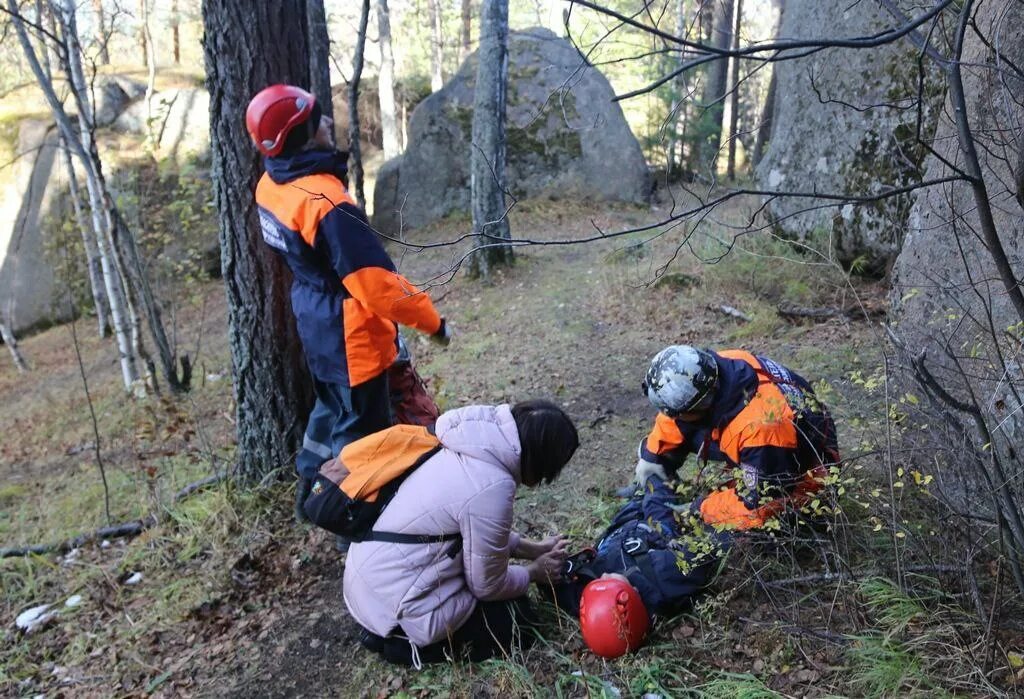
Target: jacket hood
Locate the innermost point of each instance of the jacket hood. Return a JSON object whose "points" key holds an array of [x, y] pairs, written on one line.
{"points": [[737, 384], [285, 168], [484, 432]]}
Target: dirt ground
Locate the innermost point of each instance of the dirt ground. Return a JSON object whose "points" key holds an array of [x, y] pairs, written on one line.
{"points": [[237, 600]]}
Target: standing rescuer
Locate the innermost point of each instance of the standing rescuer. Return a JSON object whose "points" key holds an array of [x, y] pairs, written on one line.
{"points": [[748, 411], [346, 294]]}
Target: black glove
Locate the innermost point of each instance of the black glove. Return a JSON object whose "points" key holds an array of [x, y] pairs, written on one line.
{"points": [[302, 488]]}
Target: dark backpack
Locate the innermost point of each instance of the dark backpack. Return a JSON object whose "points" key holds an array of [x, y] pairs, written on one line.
{"points": [[350, 492]]}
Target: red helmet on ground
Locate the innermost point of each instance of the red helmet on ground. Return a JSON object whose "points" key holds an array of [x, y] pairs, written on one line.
{"points": [[274, 112], [612, 617]]}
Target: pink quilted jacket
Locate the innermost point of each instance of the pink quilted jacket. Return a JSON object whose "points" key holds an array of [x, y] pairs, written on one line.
{"points": [[418, 589]]}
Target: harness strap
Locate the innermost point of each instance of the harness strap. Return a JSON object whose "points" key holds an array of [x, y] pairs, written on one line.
{"points": [[396, 538]]}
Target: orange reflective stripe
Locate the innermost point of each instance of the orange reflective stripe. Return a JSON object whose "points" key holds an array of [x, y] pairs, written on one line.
{"points": [[302, 203], [392, 296], [376, 460], [369, 342]]}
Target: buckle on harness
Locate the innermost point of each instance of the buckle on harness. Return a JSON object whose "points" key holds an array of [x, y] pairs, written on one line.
{"points": [[634, 545]]}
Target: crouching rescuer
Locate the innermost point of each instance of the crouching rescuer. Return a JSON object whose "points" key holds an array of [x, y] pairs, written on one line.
{"points": [[430, 575], [762, 420], [346, 293]]}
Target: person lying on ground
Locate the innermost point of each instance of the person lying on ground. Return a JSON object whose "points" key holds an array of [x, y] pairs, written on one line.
{"points": [[762, 420], [651, 562], [435, 577]]}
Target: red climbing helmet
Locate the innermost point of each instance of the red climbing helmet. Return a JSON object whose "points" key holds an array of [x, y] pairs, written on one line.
{"points": [[612, 617], [274, 112]]}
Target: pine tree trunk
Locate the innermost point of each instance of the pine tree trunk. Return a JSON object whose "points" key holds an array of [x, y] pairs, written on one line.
{"points": [[249, 46], [386, 83], [320, 57], [436, 46], [467, 27], [176, 32], [487, 160], [734, 102], [715, 88], [102, 37]]}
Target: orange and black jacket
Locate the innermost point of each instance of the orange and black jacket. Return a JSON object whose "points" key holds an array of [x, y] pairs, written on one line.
{"points": [[346, 294], [767, 423]]}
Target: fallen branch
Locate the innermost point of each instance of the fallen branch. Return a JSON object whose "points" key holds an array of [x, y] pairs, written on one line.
{"points": [[859, 574], [116, 531], [201, 484], [872, 311], [730, 311]]}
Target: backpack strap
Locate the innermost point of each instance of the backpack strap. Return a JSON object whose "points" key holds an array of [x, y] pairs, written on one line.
{"points": [[396, 538]]}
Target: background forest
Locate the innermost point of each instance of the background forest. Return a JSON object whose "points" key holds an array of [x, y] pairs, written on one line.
{"points": [[836, 185]]}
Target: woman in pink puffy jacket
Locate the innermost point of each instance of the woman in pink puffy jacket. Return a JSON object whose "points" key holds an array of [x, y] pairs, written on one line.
{"points": [[424, 602]]}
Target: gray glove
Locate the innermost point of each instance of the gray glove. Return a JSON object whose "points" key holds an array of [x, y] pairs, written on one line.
{"points": [[645, 468]]}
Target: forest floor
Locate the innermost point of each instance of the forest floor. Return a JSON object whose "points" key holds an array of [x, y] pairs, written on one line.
{"points": [[227, 596]]}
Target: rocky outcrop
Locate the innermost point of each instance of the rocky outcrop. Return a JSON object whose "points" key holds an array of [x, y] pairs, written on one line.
{"points": [[113, 96], [27, 286], [845, 123], [948, 300], [180, 120], [565, 135]]}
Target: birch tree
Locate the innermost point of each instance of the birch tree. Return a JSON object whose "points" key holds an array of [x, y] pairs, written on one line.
{"points": [[436, 46], [354, 135], [386, 83]]}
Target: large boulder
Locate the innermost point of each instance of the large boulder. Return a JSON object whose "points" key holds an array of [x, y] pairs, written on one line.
{"points": [[842, 125], [180, 120], [948, 300], [113, 96], [28, 288], [565, 136]]}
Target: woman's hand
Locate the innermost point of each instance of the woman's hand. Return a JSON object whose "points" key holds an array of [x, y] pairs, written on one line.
{"points": [[530, 549], [548, 567]]}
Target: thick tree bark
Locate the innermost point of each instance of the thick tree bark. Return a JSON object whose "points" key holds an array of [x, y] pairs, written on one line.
{"points": [[355, 152], [249, 46], [734, 101], [320, 57], [466, 29], [102, 34], [487, 160], [714, 93], [436, 46], [386, 83]]}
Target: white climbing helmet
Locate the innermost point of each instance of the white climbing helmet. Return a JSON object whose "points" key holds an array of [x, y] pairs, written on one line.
{"points": [[681, 379]]}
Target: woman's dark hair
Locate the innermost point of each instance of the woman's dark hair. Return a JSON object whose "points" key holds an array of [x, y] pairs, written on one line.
{"points": [[547, 438]]}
